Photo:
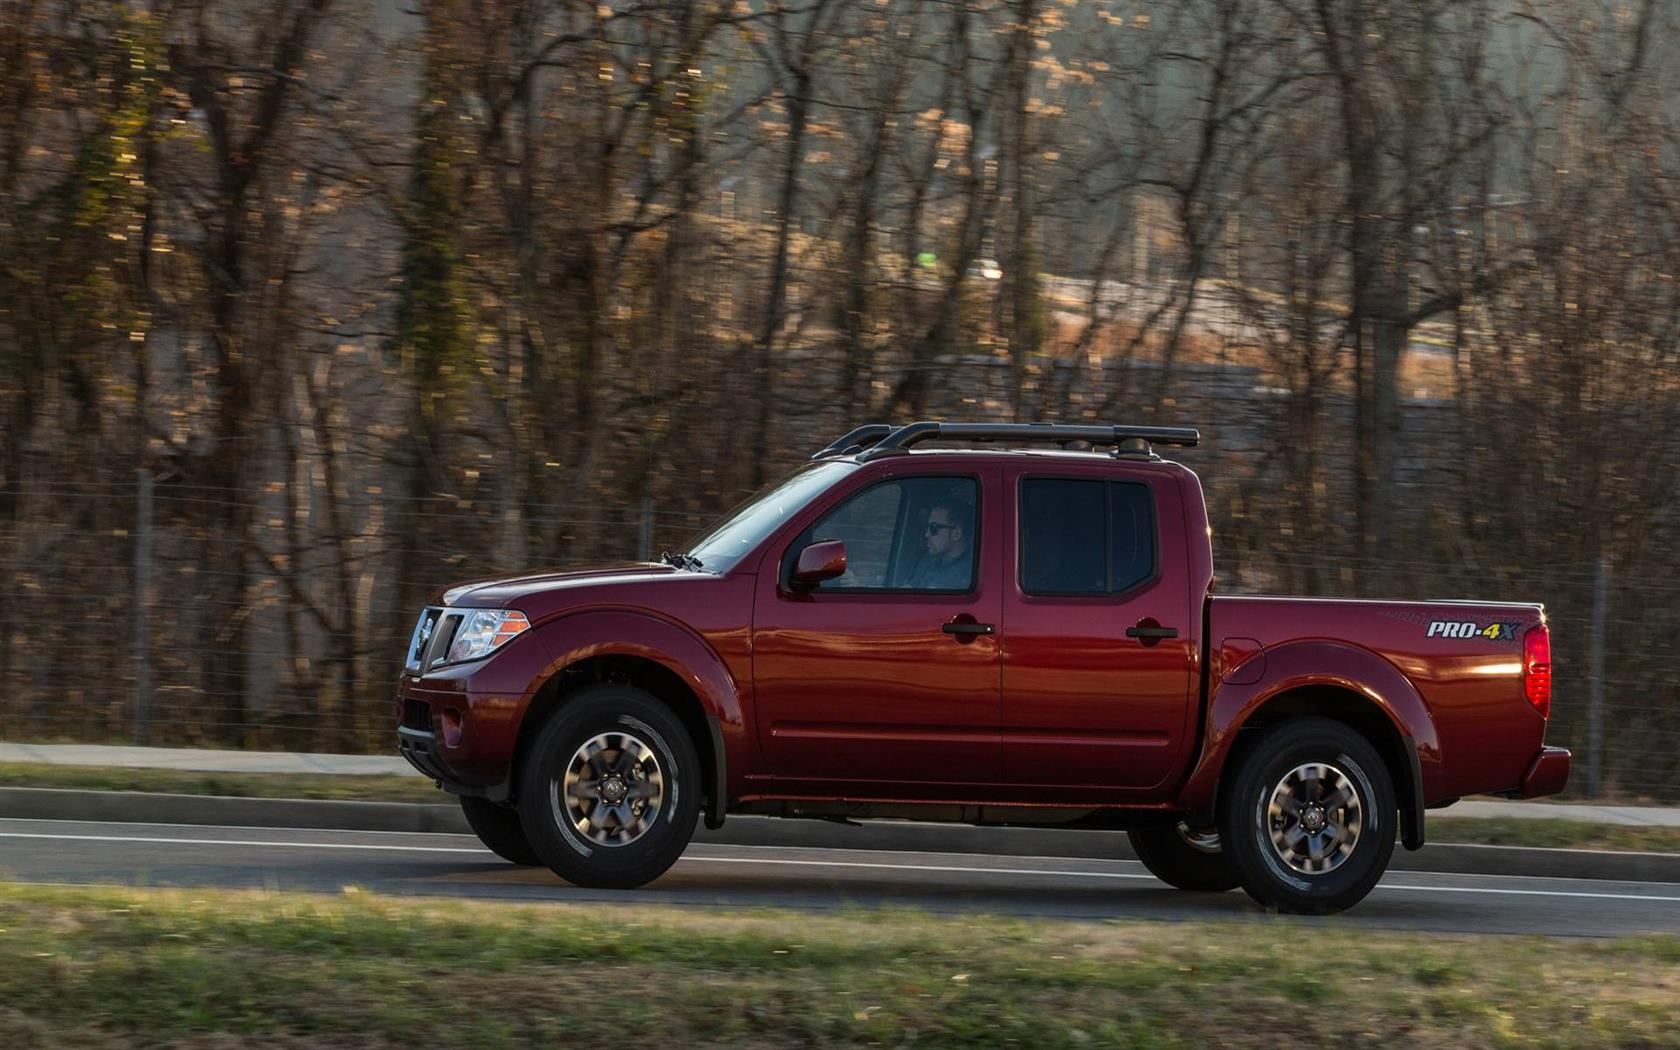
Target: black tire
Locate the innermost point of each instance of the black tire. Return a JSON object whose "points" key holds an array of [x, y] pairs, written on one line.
{"points": [[579, 850], [1279, 855], [497, 826], [1172, 858]]}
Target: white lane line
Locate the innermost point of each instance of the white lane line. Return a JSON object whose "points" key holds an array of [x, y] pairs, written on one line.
{"points": [[1564, 849], [913, 867], [1128, 875], [228, 827], [468, 836], [698, 851], [240, 842], [1527, 893], [942, 868], [703, 844], [691, 856]]}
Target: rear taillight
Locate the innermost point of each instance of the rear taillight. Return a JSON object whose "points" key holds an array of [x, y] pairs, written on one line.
{"points": [[1537, 669]]}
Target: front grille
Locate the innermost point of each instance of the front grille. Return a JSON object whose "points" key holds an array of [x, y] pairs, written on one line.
{"points": [[443, 635], [417, 714], [422, 639], [432, 637]]}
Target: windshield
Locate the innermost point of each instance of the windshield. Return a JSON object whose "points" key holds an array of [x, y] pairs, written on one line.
{"points": [[726, 543]]}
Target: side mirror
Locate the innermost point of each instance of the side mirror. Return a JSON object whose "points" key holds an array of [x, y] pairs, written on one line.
{"points": [[823, 560]]}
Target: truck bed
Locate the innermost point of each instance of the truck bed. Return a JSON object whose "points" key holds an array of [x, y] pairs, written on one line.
{"points": [[1463, 660]]}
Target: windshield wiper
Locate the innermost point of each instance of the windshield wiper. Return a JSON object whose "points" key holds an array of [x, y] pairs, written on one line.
{"points": [[681, 561]]}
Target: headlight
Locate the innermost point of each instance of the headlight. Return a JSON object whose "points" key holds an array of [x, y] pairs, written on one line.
{"points": [[483, 631]]}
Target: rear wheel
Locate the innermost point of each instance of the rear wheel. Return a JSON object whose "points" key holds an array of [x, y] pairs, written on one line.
{"points": [[497, 826], [611, 792], [1185, 858], [1309, 817]]}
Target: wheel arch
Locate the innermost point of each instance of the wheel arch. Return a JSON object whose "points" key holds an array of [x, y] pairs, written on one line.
{"points": [[665, 660], [1350, 685]]}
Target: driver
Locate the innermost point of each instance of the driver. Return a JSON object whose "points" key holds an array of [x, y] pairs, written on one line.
{"points": [[946, 543]]}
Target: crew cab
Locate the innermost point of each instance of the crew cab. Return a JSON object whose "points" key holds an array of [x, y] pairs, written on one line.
{"points": [[1024, 632]]}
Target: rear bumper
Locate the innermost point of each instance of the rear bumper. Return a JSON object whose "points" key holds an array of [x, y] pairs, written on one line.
{"points": [[1547, 773]]}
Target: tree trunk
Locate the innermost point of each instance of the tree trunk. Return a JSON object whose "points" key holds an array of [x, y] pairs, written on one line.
{"points": [[787, 200], [1026, 310]]}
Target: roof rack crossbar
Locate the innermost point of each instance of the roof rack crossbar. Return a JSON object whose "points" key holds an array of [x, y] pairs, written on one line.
{"points": [[863, 437], [901, 439]]}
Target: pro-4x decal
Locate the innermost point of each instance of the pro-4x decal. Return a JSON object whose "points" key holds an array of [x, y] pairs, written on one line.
{"points": [[1497, 631]]}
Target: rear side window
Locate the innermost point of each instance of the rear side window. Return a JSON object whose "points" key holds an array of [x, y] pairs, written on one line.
{"points": [[1085, 537]]}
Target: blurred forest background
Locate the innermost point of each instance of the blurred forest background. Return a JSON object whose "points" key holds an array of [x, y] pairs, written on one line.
{"points": [[309, 306]]}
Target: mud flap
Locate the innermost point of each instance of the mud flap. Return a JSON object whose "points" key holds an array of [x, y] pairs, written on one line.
{"points": [[720, 776], [1411, 805]]}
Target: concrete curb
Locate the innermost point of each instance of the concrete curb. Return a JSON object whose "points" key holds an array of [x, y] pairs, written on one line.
{"points": [[141, 807], [133, 807]]}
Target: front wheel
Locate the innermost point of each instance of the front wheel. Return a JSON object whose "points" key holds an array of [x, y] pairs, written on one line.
{"points": [[611, 791], [1184, 858], [1309, 817]]}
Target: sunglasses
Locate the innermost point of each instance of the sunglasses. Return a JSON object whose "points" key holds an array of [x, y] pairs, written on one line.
{"points": [[935, 528]]}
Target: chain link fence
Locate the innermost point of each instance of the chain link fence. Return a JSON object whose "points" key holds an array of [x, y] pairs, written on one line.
{"points": [[119, 624]]}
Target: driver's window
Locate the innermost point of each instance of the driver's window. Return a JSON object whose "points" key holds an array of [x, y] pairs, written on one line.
{"points": [[867, 524], [908, 534]]}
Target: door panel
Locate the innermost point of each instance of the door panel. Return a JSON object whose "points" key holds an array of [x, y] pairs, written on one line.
{"points": [[1084, 703], [858, 681]]}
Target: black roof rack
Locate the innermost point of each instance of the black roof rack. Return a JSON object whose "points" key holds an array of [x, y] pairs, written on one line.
{"points": [[856, 440], [881, 439]]}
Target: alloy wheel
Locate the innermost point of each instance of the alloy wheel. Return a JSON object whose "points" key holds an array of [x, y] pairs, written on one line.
{"points": [[612, 791], [1314, 818]]}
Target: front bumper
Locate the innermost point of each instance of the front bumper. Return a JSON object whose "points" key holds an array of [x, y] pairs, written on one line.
{"points": [[1546, 775], [420, 747], [461, 739]]}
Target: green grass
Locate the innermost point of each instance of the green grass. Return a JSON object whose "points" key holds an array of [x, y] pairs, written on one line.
{"points": [[126, 967], [382, 787]]}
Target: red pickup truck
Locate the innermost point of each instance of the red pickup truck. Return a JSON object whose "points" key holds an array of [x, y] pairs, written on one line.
{"points": [[1024, 633]]}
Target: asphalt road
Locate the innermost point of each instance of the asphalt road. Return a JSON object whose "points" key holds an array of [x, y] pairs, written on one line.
{"points": [[734, 876]]}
